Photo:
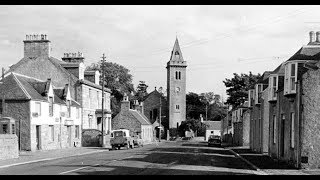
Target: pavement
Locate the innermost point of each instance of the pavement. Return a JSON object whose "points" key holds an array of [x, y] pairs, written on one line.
{"points": [[267, 165]]}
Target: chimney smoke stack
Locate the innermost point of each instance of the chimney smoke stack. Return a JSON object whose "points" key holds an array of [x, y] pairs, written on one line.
{"points": [[311, 33]]}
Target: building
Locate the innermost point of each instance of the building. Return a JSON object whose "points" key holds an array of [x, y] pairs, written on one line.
{"points": [[259, 136], [48, 118], [212, 128], [227, 127], [176, 87], [241, 124], [151, 104], [84, 85], [134, 120]]}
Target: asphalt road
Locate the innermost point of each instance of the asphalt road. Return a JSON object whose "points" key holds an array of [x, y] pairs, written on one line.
{"points": [[172, 158]]}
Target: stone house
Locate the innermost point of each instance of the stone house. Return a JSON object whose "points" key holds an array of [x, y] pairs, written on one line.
{"points": [[84, 85], [294, 127], [212, 128], [48, 117], [151, 103], [259, 137], [227, 127], [241, 124], [134, 120]]}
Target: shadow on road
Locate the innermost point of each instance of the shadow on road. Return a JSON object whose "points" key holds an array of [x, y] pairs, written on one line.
{"points": [[114, 170], [262, 161]]}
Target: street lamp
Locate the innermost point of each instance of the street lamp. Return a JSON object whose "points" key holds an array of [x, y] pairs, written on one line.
{"points": [[160, 91]]}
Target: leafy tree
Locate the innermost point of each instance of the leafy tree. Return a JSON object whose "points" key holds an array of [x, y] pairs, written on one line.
{"points": [[194, 105], [238, 86], [194, 124], [141, 90], [118, 79]]}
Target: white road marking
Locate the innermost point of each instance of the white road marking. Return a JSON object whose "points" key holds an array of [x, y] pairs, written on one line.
{"points": [[78, 169]]}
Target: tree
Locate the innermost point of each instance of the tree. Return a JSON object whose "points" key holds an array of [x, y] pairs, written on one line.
{"points": [[141, 90], [194, 105], [238, 86], [194, 124], [118, 79]]}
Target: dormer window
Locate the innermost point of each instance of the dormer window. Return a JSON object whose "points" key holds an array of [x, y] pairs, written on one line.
{"points": [[177, 55], [273, 87], [258, 93], [291, 71]]}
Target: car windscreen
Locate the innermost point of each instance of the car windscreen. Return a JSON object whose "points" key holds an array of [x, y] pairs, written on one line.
{"points": [[118, 133]]}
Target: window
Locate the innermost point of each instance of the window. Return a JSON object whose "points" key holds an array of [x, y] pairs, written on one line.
{"points": [[50, 106], [1, 107], [179, 75], [258, 93], [78, 113], [77, 131], [90, 97], [273, 87], [292, 130], [38, 108], [51, 129], [177, 107], [5, 128], [274, 128], [13, 129], [291, 70], [69, 108], [251, 97], [211, 132], [176, 74]]}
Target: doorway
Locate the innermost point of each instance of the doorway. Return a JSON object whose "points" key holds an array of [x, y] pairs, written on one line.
{"points": [[69, 136], [38, 137], [282, 127]]}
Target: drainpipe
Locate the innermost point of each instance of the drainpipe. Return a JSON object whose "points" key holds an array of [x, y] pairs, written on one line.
{"points": [[299, 109]]}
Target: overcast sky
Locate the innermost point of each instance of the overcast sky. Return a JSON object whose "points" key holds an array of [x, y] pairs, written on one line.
{"points": [[216, 41]]}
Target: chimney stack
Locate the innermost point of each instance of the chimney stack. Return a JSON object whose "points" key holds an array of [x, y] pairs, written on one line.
{"points": [[318, 36], [136, 105], [141, 107], [36, 46], [311, 34]]}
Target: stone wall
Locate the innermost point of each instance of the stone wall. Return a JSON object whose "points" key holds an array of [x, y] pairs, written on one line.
{"points": [[310, 147], [20, 111], [265, 121], [246, 128], [9, 146], [153, 102]]}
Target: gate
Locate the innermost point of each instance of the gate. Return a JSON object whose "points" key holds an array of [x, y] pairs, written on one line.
{"points": [[91, 138]]}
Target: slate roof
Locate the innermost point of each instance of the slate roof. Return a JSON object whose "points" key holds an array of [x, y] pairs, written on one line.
{"points": [[89, 83], [20, 87], [264, 77], [308, 52], [176, 47], [213, 125], [140, 117]]}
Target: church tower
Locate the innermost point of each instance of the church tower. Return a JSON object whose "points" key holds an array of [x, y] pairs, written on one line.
{"points": [[176, 87]]}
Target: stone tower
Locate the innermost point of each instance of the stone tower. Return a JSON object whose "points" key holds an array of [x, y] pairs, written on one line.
{"points": [[176, 87]]}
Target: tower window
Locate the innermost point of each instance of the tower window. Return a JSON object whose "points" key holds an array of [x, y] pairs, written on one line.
{"points": [[176, 74], [177, 107], [179, 75], [176, 53]]}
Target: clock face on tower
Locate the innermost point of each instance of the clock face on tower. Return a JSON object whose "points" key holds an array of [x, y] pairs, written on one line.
{"points": [[177, 89]]}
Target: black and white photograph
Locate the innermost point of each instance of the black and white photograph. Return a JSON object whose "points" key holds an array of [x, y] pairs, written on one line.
{"points": [[160, 90]]}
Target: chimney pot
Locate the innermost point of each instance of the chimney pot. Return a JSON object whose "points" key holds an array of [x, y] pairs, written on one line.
{"points": [[311, 33], [318, 36]]}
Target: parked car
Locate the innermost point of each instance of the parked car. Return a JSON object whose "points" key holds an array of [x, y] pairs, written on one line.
{"points": [[137, 141], [214, 141], [121, 138]]}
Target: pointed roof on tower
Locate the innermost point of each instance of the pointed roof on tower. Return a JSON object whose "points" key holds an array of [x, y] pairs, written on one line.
{"points": [[176, 54]]}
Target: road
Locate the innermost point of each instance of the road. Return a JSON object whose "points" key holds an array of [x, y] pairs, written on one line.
{"points": [[170, 158]]}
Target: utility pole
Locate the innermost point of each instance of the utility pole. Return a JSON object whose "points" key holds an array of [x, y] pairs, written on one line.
{"points": [[206, 112], [160, 120], [102, 103]]}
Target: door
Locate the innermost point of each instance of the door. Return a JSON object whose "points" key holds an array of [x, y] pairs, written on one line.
{"points": [[282, 136], [69, 136], [38, 137]]}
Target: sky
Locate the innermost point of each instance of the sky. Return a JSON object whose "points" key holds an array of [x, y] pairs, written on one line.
{"points": [[215, 40]]}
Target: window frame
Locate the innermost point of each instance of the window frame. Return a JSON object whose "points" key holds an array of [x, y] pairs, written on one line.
{"points": [[290, 81], [257, 92], [51, 127], [36, 109]]}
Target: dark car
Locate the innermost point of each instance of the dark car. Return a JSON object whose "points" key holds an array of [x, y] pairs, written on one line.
{"points": [[214, 141]]}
